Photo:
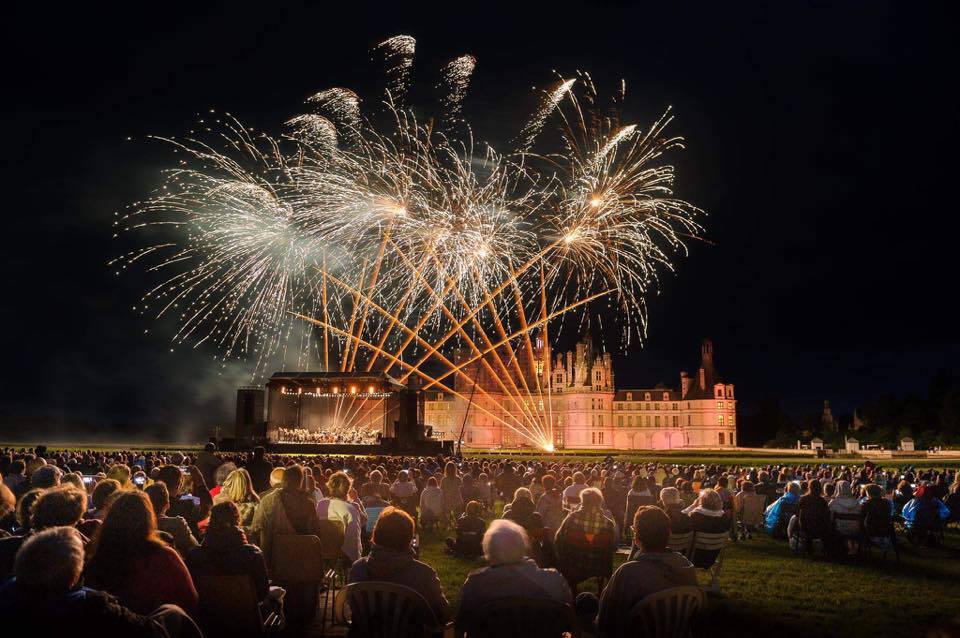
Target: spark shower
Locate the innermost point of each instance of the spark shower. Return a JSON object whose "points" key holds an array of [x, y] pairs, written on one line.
{"points": [[371, 239]]}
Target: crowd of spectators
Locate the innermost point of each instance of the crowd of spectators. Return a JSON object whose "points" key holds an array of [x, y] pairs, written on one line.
{"points": [[121, 539]]}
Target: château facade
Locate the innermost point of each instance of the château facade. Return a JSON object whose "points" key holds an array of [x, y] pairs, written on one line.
{"points": [[577, 404]]}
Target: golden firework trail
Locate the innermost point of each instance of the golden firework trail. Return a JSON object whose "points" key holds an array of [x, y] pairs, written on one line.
{"points": [[378, 241]]}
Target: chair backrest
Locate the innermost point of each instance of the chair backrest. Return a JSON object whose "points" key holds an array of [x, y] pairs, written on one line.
{"points": [[848, 522], [297, 558], [375, 609], [707, 547], [516, 617], [228, 604], [666, 614], [681, 543], [331, 537], [753, 507]]}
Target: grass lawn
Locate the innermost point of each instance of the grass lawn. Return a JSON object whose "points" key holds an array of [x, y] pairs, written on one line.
{"points": [[766, 588]]}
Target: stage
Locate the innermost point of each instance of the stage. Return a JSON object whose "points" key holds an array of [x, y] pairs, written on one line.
{"points": [[389, 447]]}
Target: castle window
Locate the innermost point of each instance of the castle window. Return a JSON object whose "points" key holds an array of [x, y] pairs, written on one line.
{"points": [[629, 396], [719, 405], [629, 420], [675, 407], [646, 396], [689, 419], [719, 419], [647, 406], [648, 421], [719, 392], [666, 396], [720, 435], [676, 421], [688, 405], [731, 420], [620, 421], [656, 421]]}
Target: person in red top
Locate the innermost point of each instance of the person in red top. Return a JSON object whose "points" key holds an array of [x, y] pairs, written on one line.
{"points": [[128, 559]]}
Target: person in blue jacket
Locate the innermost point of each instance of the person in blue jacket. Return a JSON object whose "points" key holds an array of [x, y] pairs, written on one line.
{"points": [[925, 513], [777, 516]]}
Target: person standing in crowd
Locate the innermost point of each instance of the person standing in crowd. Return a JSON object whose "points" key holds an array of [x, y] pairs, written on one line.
{"points": [[259, 469], [651, 568], [341, 506], [391, 560], [208, 462], [128, 559], [450, 486]]}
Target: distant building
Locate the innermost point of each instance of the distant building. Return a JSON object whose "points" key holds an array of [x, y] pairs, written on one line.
{"points": [[827, 422], [579, 402]]}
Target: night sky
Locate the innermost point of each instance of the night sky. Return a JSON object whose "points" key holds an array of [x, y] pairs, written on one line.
{"points": [[821, 140]]}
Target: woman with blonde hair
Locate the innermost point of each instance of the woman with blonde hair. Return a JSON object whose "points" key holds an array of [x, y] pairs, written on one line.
{"points": [[343, 506], [238, 489], [121, 474]]}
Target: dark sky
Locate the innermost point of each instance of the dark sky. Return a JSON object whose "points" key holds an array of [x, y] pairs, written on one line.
{"points": [[821, 139]]}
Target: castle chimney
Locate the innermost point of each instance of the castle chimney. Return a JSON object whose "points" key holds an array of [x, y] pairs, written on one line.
{"points": [[706, 352]]}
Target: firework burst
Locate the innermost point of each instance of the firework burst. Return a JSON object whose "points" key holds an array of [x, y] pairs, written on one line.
{"points": [[411, 249]]}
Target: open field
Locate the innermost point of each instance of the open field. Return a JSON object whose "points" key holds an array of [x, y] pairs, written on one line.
{"points": [[765, 586], [747, 457]]}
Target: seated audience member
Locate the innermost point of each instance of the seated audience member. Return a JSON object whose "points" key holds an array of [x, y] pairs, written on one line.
{"points": [[901, 496], [175, 526], [57, 507], [193, 507], [286, 510], [470, 529], [403, 493], [219, 476], [16, 476], [522, 512], [586, 540], [374, 487], [101, 498], [121, 474], [550, 504], [571, 493], [846, 504], [8, 508], [651, 568], [128, 560], [391, 560], [748, 507], [778, 514], [812, 520], [925, 514], [349, 513], [707, 513], [431, 504], [878, 517], [673, 507], [226, 552], [510, 573], [46, 589], [237, 488]]}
